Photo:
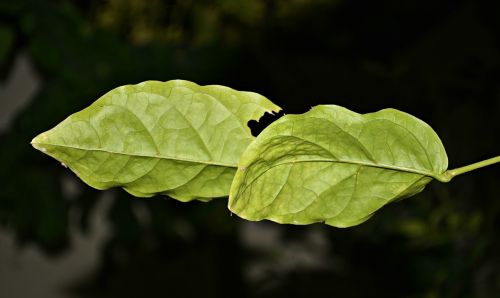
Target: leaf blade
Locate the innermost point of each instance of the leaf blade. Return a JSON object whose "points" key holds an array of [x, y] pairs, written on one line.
{"points": [[335, 154], [157, 137]]}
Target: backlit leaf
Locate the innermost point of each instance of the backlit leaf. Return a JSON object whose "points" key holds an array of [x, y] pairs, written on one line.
{"points": [[174, 138], [335, 166]]}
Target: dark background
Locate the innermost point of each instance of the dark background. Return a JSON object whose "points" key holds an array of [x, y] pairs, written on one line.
{"points": [[438, 60]]}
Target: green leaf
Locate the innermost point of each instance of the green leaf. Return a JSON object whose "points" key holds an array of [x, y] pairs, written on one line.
{"points": [[174, 138], [335, 166]]}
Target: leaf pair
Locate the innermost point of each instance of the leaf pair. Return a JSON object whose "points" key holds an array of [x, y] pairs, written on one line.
{"points": [[191, 142]]}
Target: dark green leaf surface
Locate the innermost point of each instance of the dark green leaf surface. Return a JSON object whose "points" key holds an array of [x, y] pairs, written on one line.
{"points": [[335, 166], [174, 138]]}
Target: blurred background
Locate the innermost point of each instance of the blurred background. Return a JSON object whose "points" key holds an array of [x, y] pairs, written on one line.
{"points": [[438, 60]]}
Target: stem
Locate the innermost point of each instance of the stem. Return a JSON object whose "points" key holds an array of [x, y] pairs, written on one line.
{"points": [[448, 175]]}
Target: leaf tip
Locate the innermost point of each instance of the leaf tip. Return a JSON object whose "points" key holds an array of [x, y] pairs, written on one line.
{"points": [[38, 142]]}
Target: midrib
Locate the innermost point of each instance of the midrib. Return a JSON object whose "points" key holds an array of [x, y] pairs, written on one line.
{"points": [[206, 162], [362, 163]]}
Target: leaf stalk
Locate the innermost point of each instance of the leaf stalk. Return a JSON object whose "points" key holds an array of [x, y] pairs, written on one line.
{"points": [[450, 174]]}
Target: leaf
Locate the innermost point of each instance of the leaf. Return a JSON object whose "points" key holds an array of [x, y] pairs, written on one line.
{"points": [[335, 166], [174, 138]]}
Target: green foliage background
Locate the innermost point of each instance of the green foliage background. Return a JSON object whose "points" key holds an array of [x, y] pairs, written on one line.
{"points": [[437, 60]]}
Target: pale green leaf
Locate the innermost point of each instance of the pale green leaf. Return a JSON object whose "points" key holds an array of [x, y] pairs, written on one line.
{"points": [[174, 138], [335, 166]]}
